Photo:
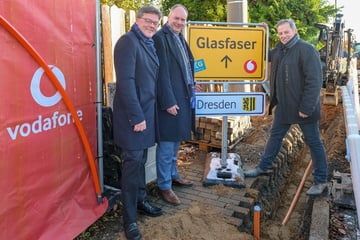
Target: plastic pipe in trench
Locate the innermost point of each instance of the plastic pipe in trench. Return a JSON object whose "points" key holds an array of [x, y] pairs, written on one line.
{"points": [[297, 194]]}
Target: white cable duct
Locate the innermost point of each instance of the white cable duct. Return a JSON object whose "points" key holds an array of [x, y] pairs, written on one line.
{"points": [[350, 97]]}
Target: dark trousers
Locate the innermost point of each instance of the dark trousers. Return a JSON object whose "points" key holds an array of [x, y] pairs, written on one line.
{"points": [[312, 139], [133, 186]]}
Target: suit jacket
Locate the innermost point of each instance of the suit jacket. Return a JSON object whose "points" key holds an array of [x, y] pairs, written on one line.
{"points": [[136, 69], [173, 88]]}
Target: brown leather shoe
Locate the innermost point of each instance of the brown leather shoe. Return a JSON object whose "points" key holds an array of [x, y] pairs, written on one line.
{"points": [[182, 183], [169, 196]]}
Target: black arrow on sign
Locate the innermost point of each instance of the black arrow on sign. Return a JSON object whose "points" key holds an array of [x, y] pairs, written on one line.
{"points": [[226, 59]]}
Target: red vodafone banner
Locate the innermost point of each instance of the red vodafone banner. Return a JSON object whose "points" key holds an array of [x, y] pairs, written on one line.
{"points": [[47, 185]]}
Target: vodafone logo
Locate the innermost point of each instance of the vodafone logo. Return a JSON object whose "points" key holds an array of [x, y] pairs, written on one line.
{"points": [[250, 66], [36, 93], [48, 122]]}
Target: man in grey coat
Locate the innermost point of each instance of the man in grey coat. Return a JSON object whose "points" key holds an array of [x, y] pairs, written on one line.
{"points": [[176, 99], [136, 66], [295, 84]]}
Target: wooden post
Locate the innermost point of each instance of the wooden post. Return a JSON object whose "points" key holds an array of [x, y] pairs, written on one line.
{"points": [[107, 50]]}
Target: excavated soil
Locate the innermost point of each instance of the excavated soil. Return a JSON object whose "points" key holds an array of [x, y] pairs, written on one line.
{"points": [[194, 222]]}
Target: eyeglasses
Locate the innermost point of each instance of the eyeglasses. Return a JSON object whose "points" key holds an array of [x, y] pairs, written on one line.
{"points": [[151, 22]]}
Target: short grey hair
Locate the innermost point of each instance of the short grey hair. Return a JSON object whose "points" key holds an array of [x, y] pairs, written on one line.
{"points": [[290, 21], [179, 5], [148, 9]]}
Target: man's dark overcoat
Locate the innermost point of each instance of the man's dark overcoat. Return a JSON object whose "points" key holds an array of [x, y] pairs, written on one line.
{"points": [[296, 81], [173, 88], [135, 97]]}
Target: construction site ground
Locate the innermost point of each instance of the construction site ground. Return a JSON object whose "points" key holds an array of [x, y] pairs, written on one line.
{"points": [[222, 212]]}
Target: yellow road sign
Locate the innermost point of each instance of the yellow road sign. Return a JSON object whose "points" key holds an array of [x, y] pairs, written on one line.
{"points": [[229, 53]]}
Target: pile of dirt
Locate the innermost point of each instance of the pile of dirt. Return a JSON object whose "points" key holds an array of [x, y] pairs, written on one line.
{"points": [[197, 222]]}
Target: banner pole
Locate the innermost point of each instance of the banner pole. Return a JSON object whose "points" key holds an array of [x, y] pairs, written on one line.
{"points": [[99, 98]]}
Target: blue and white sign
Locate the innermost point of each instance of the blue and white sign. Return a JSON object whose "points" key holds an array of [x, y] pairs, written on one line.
{"points": [[230, 104], [199, 65]]}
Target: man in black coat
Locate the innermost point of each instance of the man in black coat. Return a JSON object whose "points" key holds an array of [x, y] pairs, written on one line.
{"points": [[136, 66], [295, 84], [176, 99]]}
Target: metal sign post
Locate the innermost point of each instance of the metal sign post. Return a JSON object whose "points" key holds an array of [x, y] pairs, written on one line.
{"points": [[224, 131]]}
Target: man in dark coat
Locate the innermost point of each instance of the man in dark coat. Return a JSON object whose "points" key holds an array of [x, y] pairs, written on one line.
{"points": [[136, 66], [175, 98], [295, 84]]}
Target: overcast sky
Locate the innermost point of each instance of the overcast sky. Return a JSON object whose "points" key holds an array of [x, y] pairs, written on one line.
{"points": [[351, 14]]}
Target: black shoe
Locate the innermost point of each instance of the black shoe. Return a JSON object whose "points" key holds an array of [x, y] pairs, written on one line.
{"points": [[132, 232], [146, 208]]}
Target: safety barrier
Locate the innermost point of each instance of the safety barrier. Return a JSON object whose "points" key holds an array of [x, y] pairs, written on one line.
{"points": [[350, 96]]}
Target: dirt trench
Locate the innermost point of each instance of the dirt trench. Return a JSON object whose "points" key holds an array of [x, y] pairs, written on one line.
{"points": [[199, 221]]}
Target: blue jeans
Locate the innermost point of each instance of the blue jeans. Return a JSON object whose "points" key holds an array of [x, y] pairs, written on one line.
{"points": [[312, 139], [166, 164]]}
